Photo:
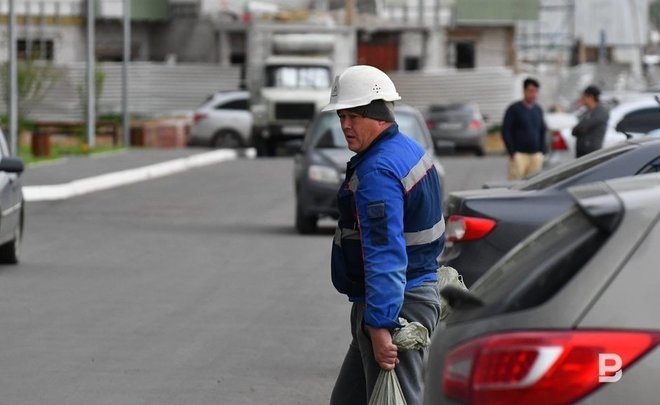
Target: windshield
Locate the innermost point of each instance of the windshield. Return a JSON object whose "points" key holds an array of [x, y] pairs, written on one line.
{"points": [[298, 77], [327, 132], [560, 173]]}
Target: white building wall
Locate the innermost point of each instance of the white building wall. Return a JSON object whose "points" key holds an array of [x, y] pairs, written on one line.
{"points": [[492, 48]]}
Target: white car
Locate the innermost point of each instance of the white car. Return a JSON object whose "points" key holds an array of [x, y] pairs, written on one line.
{"points": [[224, 120], [631, 119]]}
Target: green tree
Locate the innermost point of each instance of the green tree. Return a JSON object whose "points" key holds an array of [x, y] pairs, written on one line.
{"points": [[34, 81]]}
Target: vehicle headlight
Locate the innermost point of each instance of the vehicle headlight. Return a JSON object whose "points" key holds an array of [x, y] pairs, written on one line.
{"points": [[323, 174]]}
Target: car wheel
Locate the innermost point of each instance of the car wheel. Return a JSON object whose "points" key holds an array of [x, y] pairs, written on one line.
{"points": [[305, 224], [227, 139], [10, 252]]}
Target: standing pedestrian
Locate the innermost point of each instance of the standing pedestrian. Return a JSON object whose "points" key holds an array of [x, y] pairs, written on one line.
{"points": [[523, 132], [390, 233], [590, 130]]}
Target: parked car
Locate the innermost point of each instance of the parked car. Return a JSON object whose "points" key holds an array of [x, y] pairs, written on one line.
{"points": [[483, 225], [571, 308], [627, 120], [224, 120], [11, 205], [320, 167], [460, 123]]}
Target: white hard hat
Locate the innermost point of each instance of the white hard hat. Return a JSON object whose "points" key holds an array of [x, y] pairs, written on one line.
{"points": [[360, 85]]}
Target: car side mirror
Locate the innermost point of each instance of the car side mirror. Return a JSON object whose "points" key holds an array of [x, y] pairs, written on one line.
{"points": [[11, 165]]}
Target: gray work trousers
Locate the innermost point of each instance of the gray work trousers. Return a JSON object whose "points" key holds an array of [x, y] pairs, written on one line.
{"points": [[359, 371]]}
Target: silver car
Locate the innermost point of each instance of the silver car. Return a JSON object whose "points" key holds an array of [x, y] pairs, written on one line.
{"points": [[12, 206], [570, 315], [224, 120]]}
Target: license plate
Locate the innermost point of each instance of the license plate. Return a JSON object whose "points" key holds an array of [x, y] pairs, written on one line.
{"points": [[450, 125], [293, 130]]}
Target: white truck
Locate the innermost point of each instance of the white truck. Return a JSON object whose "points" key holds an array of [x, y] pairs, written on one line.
{"points": [[290, 71]]}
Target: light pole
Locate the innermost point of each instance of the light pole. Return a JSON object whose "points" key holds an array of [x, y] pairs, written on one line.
{"points": [[124, 83], [13, 88], [91, 75]]}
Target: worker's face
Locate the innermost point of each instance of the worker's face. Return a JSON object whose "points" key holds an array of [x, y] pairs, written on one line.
{"points": [[359, 131], [530, 94]]}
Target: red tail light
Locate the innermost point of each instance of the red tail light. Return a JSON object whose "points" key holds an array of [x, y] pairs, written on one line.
{"points": [[460, 228], [538, 367], [558, 141], [199, 116], [429, 124], [476, 124]]}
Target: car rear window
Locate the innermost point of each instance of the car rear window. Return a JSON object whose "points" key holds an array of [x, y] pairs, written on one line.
{"points": [[537, 268], [563, 172]]}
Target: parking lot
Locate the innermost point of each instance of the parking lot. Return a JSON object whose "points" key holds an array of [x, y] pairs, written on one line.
{"points": [[192, 288]]}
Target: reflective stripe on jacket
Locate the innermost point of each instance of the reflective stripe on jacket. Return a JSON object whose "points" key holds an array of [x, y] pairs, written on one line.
{"points": [[390, 231]]}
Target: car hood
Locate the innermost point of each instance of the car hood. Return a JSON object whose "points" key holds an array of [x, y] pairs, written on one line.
{"points": [[334, 157]]}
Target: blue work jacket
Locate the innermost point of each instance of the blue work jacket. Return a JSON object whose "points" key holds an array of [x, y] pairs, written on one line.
{"points": [[390, 231]]}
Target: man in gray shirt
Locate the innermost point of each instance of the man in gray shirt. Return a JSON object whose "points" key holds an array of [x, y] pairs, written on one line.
{"points": [[590, 130]]}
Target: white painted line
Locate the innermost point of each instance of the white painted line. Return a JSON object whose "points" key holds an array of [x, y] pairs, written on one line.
{"points": [[130, 176]]}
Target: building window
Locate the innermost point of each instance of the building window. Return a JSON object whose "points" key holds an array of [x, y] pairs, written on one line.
{"points": [[35, 49], [462, 54]]}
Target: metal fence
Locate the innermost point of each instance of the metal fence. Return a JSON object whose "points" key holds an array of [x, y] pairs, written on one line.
{"points": [[491, 88], [155, 89]]}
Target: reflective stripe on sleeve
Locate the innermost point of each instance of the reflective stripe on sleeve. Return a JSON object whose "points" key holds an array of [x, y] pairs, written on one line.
{"points": [[417, 172], [425, 236]]}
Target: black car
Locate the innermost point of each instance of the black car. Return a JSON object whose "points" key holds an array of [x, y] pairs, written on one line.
{"points": [[483, 225], [320, 167]]}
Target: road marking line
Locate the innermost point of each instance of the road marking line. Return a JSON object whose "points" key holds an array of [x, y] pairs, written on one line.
{"points": [[130, 176]]}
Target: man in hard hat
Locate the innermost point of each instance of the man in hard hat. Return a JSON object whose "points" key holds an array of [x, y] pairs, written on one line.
{"points": [[389, 235], [590, 131]]}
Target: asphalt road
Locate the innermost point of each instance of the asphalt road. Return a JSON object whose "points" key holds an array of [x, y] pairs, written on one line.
{"points": [[189, 289]]}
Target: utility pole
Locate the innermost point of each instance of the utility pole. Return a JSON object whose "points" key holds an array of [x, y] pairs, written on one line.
{"points": [[126, 125], [13, 82], [91, 75]]}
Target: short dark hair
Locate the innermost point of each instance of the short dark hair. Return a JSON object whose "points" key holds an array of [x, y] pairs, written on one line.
{"points": [[531, 82], [592, 91]]}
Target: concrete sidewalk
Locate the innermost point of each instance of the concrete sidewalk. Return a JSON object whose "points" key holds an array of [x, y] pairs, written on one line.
{"points": [[74, 176]]}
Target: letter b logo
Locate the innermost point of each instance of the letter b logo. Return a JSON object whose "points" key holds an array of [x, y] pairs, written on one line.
{"points": [[609, 367]]}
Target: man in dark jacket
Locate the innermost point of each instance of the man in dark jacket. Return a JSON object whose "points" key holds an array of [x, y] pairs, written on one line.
{"points": [[590, 130], [523, 132]]}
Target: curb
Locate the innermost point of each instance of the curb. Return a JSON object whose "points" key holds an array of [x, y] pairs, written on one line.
{"points": [[124, 177]]}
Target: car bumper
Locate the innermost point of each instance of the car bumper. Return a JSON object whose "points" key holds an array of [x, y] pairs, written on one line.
{"points": [[461, 139], [319, 199]]}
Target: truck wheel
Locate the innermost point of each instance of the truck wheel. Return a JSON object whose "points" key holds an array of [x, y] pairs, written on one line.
{"points": [[305, 224], [260, 144], [226, 139]]}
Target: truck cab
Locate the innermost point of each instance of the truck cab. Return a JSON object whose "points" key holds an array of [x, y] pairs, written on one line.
{"points": [[295, 89], [291, 72]]}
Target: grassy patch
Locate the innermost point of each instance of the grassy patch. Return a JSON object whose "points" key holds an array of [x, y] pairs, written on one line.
{"points": [[60, 151]]}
